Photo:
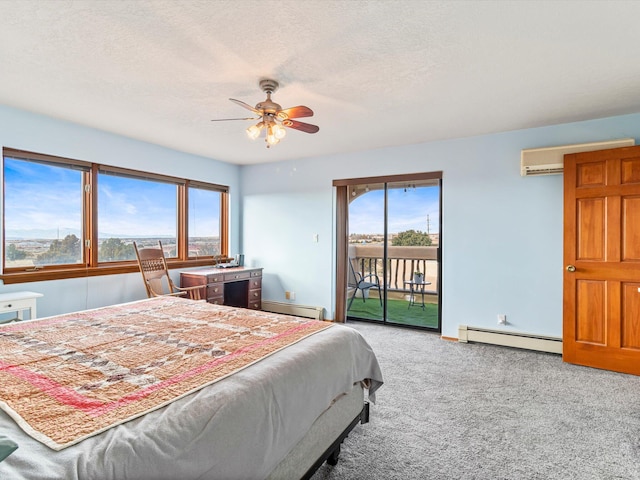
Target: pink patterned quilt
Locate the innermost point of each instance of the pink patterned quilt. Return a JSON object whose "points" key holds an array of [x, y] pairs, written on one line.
{"points": [[66, 378]]}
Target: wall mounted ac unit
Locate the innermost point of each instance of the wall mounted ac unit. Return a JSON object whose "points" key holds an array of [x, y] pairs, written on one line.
{"points": [[550, 160]]}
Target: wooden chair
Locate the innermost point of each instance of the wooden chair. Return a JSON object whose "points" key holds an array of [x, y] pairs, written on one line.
{"points": [[155, 274]]}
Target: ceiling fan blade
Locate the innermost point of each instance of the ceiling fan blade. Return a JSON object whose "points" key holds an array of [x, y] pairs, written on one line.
{"points": [[296, 112], [303, 127], [245, 105], [230, 119]]}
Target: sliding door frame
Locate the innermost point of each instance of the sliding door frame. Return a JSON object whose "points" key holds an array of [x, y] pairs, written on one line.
{"points": [[342, 230]]}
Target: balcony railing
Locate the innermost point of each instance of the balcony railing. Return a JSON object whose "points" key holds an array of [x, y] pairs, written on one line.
{"points": [[402, 262]]}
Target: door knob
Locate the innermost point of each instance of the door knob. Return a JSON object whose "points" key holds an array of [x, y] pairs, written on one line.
{"points": [[571, 268]]}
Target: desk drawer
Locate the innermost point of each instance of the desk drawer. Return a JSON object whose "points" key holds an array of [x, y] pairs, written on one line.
{"points": [[255, 283], [215, 290], [231, 277], [255, 295], [254, 304], [219, 300], [215, 278]]}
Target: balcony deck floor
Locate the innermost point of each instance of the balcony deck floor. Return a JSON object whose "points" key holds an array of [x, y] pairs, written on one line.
{"points": [[398, 311]]}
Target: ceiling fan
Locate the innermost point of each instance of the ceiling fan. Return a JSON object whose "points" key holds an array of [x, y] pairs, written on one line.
{"points": [[273, 118]]}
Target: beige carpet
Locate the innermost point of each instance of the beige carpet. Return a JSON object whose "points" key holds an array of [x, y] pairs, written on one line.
{"points": [[468, 411]]}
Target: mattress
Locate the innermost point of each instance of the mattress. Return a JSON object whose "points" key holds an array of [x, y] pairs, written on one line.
{"points": [[324, 432]]}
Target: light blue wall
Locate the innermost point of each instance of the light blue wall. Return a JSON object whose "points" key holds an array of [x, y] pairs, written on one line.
{"points": [[27, 131], [501, 237]]}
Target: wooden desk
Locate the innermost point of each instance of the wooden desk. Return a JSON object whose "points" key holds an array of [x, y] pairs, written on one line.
{"points": [[236, 287], [18, 302]]}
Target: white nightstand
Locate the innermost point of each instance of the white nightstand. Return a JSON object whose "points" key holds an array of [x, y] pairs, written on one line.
{"points": [[19, 302]]}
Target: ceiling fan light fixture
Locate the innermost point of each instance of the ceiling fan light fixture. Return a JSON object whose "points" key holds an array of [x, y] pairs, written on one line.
{"points": [[254, 130], [279, 131], [272, 139]]}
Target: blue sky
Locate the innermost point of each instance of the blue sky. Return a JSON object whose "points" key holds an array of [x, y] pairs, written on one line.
{"points": [[132, 207], [32, 197], [48, 199], [135, 207], [408, 210]]}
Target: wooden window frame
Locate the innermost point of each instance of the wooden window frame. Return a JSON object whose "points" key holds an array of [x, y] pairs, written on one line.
{"points": [[90, 266]]}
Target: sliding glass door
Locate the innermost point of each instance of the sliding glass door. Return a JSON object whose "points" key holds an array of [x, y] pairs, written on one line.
{"points": [[393, 250], [366, 252]]}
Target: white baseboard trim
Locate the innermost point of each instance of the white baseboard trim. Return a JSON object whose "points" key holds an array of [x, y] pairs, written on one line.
{"points": [[510, 339], [317, 313]]}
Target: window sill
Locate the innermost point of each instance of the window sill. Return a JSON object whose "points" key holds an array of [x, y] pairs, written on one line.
{"points": [[60, 274]]}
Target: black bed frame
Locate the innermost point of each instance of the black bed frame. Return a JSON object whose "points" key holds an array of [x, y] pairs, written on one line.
{"points": [[331, 454]]}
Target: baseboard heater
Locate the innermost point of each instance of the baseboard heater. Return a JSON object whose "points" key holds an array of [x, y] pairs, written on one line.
{"points": [[317, 313], [509, 339]]}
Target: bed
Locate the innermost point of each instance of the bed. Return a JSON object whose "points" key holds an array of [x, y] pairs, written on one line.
{"points": [[193, 409]]}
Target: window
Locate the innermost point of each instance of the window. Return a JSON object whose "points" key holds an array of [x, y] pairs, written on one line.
{"points": [[132, 208], [65, 218], [204, 222], [42, 214]]}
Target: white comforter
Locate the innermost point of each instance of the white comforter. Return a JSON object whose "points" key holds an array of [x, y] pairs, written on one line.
{"points": [[238, 428]]}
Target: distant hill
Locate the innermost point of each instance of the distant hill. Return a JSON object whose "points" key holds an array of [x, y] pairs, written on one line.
{"points": [[52, 234]]}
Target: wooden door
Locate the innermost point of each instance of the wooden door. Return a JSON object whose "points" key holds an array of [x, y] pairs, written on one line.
{"points": [[601, 326]]}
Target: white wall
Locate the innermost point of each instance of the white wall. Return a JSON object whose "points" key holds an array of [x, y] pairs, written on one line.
{"points": [[501, 238], [26, 131]]}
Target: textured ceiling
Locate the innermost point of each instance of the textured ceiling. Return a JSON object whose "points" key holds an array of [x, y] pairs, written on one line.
{"points": [[377, 73]]}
